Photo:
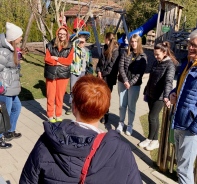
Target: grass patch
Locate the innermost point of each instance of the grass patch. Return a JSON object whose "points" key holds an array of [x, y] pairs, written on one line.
{"points": [[32, 80], [145, 127], [33, 85]]}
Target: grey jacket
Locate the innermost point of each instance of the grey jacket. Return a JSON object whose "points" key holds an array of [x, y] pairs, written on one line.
{"points": [[9, 73]]}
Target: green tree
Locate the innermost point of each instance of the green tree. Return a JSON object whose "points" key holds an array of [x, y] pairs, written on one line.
{"points": [[139, 11]]}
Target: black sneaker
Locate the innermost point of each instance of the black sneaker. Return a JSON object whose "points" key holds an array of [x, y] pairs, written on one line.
{"points": [[11, 135], [3, 144]]}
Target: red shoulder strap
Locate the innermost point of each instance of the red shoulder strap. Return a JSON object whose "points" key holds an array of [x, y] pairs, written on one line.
{"points": [[86, 165]]}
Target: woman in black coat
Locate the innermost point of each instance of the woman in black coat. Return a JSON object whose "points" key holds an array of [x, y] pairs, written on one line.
{"points": [[157, 90], [60, 153], [107, 66]]}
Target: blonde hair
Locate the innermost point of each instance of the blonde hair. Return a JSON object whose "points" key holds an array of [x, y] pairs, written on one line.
{"points": [[15, 54], [139, 49]]}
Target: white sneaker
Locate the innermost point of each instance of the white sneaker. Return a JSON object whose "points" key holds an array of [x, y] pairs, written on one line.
{"points": [[153, 145], [129, 130], [119, 129], [145, 143]]}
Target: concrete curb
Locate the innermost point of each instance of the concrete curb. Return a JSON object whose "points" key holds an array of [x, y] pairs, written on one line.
{"points": [[163, 178]]}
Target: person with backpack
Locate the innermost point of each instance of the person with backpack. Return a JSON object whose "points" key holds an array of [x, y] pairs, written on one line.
{"points": [[79, 151]]}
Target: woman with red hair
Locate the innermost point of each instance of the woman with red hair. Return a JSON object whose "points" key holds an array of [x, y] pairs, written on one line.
{"points": [[60, 153]]}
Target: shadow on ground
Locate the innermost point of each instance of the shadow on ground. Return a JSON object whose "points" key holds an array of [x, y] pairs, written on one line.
{"points": [[36, 108], [42, 86], [113, 122]]}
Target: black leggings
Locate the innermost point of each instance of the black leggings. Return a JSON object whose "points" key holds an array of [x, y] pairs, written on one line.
{"points": [[155, 107]]}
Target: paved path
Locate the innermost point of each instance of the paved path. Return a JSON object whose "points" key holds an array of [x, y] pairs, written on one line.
{"points": [[30, 125]]}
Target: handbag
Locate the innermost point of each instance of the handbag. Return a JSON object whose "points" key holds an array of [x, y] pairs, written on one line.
{"points": [[4, 118], [95, 146]]}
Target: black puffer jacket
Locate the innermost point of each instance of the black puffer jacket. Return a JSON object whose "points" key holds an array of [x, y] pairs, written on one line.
{"points": [[108, 66], [59, 155], [132, 68], [160, 81], [57, 71]]}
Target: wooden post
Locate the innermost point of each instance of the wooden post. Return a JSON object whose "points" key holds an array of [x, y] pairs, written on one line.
{"points": [[161, 141]]}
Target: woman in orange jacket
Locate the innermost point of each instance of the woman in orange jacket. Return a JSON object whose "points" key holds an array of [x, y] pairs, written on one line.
{"points": [[59, 56]]}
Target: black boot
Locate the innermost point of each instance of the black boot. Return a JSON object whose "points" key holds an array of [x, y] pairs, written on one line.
{"points": [[11, 135], [106, 118], [3, 144], [102, 120]]}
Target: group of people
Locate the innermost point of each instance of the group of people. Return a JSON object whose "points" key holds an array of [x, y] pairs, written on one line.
{"points": [[61, 152]]}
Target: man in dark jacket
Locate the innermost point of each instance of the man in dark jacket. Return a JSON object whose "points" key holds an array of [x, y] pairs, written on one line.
{"points": [[185, 116], [59, 155]]}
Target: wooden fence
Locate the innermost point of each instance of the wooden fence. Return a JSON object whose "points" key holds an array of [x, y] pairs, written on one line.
{"points": [[166, 155]]}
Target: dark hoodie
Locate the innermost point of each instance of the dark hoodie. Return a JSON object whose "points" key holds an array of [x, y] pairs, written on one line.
{"points": [[59, 155]]}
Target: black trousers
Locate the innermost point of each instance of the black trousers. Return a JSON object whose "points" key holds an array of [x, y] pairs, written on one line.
{"points": [[155, 107]]}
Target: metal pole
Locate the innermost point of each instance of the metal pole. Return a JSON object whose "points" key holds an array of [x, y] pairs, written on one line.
{"points": [[125, 27], [118, 24], [96, 35]]}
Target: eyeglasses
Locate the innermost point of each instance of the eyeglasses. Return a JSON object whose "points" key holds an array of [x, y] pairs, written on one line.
{"points": [[194, 46], [62, 34]]}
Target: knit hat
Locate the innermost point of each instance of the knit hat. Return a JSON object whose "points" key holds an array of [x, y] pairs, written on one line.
{"points": [[12, 32]]}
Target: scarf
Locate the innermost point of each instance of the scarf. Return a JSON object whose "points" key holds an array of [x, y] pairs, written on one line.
{"points": [[184, 74]]}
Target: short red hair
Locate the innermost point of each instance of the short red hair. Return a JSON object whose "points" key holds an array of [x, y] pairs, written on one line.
{"points": [[91, 97]]}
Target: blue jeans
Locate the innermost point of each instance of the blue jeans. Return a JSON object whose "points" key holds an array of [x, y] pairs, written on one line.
{"points": [[127, 97], [13, 106], [186, 151]]}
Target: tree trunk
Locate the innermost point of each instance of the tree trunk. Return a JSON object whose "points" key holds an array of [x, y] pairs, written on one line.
{"points": [[31, 18]]}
